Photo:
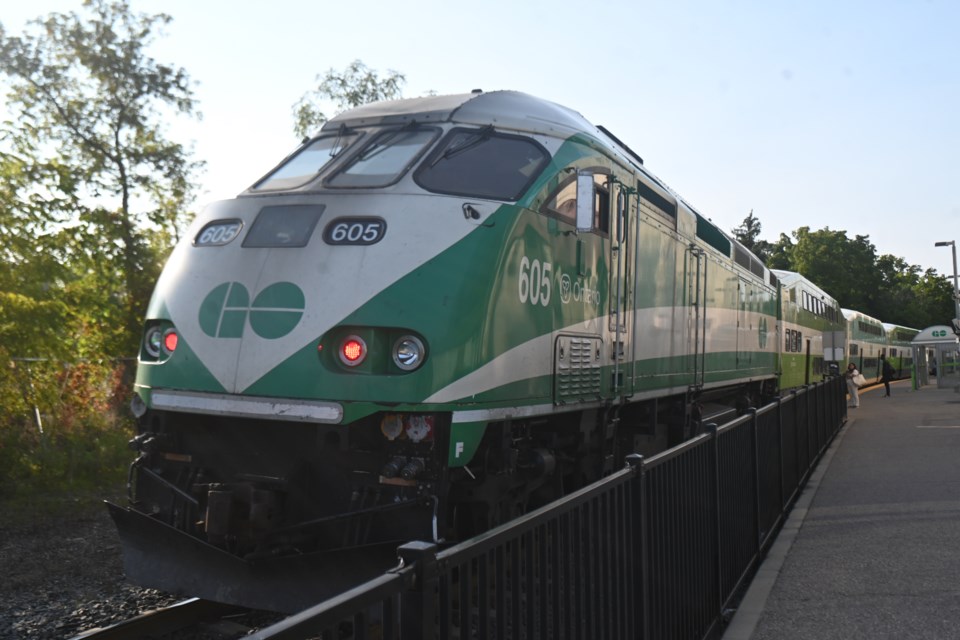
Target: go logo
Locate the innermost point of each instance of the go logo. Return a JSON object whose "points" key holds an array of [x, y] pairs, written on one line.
{"points": [[273, 313]]}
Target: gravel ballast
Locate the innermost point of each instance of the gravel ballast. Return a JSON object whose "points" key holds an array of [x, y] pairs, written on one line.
{"points": [[61, 570]]}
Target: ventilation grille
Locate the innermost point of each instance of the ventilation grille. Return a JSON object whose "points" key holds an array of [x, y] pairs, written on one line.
{"points": [[577, 368]]}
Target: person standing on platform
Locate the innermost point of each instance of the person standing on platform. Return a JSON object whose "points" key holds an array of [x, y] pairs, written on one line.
{"points": [[852, 386], [887, 374]]}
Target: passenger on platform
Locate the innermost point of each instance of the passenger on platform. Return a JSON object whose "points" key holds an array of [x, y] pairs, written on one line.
{"points": [[887, 375], [852, 386]]}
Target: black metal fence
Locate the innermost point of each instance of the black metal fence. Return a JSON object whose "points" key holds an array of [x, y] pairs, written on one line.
{"points": [[658, 550]]}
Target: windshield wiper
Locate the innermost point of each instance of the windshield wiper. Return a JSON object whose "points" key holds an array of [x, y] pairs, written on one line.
{"points": [[471, 140], [381, 143], [336, 148]]}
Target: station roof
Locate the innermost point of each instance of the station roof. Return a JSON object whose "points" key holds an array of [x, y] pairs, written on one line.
{"points": [[937, 334]]}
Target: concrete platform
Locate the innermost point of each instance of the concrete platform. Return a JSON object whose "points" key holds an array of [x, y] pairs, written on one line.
{"points": [[872, 547]]}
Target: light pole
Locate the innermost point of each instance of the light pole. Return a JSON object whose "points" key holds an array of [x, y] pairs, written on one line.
{"points": [[956, 289]]}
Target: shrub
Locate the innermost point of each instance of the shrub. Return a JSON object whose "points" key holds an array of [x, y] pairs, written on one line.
{"points": [[63, 426]]}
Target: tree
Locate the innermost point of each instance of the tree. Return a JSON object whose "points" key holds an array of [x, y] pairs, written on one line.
{"points": [[845, 268], [935, 303], [899, 284], [355, 86], [90, 105], [748, 234], [92, 196], [781, 254]]}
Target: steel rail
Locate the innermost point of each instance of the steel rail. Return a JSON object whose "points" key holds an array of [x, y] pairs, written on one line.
{"points": [[159, 621]]}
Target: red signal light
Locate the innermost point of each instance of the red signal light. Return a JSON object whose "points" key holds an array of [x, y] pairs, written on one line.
{"points": [[170, 340], [353, 350]]}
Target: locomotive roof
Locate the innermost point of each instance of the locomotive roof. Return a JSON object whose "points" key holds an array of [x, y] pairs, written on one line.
{"points": [[509, 109]]}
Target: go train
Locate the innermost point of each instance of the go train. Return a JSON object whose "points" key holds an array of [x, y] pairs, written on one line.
{"points": [[819, 337], [435, 315]]}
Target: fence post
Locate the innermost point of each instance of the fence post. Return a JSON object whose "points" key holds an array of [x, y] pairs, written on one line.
{"points": [[783, 468], [635, 461], [417, 605], [711, 428], [755, 433]]}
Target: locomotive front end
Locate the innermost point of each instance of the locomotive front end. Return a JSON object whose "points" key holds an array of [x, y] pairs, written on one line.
{"points": [[260, 452]]}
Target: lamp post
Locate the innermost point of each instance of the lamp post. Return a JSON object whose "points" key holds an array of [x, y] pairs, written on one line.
{"points": [[956, 289]]}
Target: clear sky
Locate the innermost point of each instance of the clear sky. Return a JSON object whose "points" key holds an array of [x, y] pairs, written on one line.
{"points": [[823, 113]]}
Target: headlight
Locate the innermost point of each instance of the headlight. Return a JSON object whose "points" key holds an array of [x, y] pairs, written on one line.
{"points": [[152, 341], [408, 352]]}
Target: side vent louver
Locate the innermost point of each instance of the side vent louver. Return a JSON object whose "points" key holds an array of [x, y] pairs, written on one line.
{"points": [[577, 368]]}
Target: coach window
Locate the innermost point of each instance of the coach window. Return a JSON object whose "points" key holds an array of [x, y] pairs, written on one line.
{"points": [[483, 163]]}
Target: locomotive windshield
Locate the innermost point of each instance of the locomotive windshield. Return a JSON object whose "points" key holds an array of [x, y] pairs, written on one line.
{"points": [[385, 159], [307, 163], [484, 164]]}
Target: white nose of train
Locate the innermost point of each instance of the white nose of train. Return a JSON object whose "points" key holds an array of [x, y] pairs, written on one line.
{"points": [[259, 279]]}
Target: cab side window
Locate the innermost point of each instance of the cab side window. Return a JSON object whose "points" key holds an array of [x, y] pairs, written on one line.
{"points": [[562, 203], [601, 205]]}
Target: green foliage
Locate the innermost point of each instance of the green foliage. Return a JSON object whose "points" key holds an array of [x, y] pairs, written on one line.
{"points": [[355, 86], [781, 254], [92, 197], [748, 234], [62, 426], [885, 287], [843, 267], [89, 176], [935, 302]]}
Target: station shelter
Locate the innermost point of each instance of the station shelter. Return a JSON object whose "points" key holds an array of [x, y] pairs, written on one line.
{"points": [[936, 353]]}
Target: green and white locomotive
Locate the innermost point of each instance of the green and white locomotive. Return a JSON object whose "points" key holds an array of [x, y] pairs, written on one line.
{"points": [[435, 315]]}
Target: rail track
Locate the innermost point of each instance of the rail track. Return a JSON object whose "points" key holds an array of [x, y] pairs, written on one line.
{"points": [[193, 617]]}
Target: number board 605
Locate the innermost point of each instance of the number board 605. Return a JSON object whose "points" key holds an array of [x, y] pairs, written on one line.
{"points": [[355, 231]]}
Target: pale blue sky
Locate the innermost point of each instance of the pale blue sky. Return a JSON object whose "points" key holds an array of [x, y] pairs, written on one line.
{"points": [[819, 113]]}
